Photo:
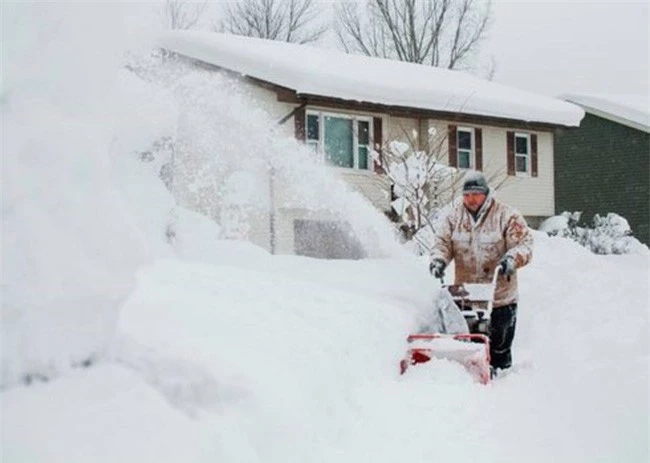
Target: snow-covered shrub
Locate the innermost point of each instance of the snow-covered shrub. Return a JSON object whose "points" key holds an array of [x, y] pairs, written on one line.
{"points": [[610, 234], [420, 183]]}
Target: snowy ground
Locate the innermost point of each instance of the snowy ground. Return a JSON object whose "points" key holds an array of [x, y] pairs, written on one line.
{"points": [[276, 359]]}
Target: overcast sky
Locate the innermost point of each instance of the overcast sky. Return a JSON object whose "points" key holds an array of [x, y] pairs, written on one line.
{"points": [[563, 46], [572, 46]]}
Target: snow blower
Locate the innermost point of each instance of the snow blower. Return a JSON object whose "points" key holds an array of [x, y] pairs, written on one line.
{"points": [[458, 330]]}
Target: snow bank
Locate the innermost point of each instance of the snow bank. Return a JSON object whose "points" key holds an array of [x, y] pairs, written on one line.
{"points": [[269, 359], [69, 245], [609, 234]]}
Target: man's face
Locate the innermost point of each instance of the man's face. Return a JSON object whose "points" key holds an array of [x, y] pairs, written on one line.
{"points": [[473, 201]]}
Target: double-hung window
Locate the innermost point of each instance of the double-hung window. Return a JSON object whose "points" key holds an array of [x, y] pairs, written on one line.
{"points": [[522, 153], [465, 147], [343, 139]]}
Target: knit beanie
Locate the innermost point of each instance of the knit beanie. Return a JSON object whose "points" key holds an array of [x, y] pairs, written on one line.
{"points": [[475, 183]]}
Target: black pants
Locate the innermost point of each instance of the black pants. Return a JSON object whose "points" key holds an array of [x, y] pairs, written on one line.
{"points": [[502, 333]]}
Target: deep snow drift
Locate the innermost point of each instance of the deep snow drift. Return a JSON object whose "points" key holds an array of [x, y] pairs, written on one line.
{"points": [[273, 359]]}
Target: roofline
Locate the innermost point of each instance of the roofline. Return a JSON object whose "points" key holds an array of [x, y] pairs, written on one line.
{"points": [[613, 117], [289, 95]]}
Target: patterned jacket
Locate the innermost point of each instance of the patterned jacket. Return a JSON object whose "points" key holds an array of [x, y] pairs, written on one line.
{"points": [[477, 245]]}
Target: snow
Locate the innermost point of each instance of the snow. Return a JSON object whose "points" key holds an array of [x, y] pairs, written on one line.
{"points": [[295, 359], [119, 344], [628, 109], [310, 71]]}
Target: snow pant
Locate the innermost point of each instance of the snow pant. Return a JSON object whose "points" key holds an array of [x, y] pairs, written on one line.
{"points": [[502, 333]]}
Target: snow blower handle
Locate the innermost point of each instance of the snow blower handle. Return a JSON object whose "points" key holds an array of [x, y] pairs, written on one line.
{"points": [[490, 305]]}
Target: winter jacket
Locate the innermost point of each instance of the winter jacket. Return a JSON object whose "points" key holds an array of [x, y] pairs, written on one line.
{"points": [[477, 245]]}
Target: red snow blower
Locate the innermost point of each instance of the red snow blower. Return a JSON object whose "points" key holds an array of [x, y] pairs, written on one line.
{"points": [[465, 341]]}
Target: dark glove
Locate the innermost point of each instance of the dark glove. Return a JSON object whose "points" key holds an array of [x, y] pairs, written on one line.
{"points": [[507, 265], [437, 268]]}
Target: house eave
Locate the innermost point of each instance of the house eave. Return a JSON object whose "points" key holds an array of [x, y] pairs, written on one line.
{"points": [[288, 95], [612, 117], [292, 96]]}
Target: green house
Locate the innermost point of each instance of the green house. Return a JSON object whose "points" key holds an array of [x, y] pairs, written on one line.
{"points": [[603, 165]]}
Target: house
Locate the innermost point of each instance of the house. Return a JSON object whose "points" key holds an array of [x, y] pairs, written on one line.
{"points": [[345, 106], [604, 165]]}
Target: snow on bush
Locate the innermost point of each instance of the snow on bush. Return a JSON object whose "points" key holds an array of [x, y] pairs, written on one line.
{"points": [[610, 234], [421, 184]]}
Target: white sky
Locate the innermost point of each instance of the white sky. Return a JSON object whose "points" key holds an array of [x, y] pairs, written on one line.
{"points": [[551, 47], [556, 47]]}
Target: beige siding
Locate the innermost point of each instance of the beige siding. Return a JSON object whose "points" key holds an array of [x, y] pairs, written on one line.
{"points": [[376, 188], [402, 129], [533, 196]]}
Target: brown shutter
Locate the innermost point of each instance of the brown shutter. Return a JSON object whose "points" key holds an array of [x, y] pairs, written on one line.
{"points": [[378, 141], [299, 118], [533, 155], [478, 145], [511, 153], [452, 140]]}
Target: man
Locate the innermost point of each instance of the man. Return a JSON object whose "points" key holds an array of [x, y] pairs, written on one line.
{"points": [[481, 234]]}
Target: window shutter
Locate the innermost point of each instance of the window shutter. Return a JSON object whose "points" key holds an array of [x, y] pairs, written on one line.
{"points": [[533, 155], [453, 153], [478, 145], [299, 120], [511, 153], [378, 141]]}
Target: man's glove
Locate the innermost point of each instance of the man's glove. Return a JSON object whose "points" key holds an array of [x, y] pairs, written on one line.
{"points": [[507, 265], [437, 268]]}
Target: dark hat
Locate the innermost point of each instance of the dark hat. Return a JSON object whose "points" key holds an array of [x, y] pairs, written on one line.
{"points": [[475, 183]]}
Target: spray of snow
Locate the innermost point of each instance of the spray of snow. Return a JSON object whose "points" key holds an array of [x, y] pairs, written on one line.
{"points": [[84, 145], [233, 163], [69, 245]]}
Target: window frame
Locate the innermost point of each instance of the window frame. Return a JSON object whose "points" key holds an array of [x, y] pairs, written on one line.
{"points": [[319, 144], [472, 150], [528, 156]]}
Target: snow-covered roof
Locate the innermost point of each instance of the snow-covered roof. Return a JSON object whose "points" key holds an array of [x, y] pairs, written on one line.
{"points": [[630, 110], [323, 72]]}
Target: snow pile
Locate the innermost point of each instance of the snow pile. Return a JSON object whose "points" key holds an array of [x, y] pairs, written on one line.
{"points": [[610, 234], [85, 146], [269, 359], [69, 246]]}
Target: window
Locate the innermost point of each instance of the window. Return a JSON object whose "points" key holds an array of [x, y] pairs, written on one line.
{"points": [[522, 153], [313, 131], [465, 147], [344, 140]]}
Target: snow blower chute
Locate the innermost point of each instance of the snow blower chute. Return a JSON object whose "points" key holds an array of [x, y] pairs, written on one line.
{"points": [[458, 330]]}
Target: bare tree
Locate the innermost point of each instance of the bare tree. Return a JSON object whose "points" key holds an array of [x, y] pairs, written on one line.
{"points": [[183, 14], [284, 20], [442, 33]]}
